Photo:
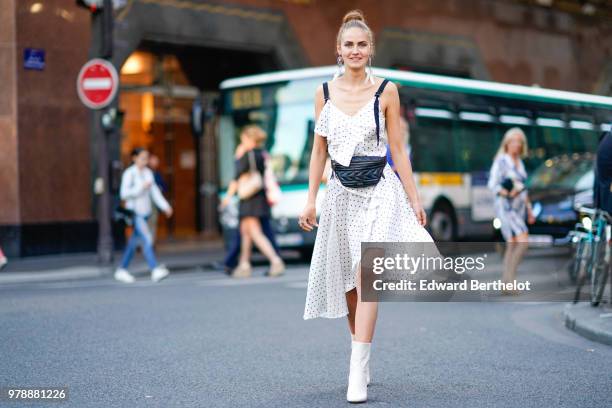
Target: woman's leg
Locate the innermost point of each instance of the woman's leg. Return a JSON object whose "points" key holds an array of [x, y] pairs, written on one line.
{"points": [[130, 249], [521, 244], [260, 240], [515, 250], [266, 227], [365, 315], [246, 243], [243, 270], [140, 225], [351, 302], [508, 256]]}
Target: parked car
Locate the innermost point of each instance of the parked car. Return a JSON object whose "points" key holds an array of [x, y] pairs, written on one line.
{"points": [[556, 189]]}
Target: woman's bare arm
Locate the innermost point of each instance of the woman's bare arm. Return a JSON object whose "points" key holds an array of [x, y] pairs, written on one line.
{"points": [[308, 218], [398, 150], [318, 155]]}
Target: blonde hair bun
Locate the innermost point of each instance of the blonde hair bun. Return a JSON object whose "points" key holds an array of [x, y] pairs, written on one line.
{"points": [[353, 15]]}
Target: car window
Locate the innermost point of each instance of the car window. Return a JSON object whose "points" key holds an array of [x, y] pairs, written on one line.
{"points": [[562, 172]]}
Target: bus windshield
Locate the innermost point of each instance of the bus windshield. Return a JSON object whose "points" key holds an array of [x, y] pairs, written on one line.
{"points": [[286, 112]]}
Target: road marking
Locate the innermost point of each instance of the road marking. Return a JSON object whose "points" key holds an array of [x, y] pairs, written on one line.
{"points": [[251, 281], [298, 285]]}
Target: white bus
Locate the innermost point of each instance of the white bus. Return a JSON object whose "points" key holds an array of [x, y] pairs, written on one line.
{"points": [[455, 126]]}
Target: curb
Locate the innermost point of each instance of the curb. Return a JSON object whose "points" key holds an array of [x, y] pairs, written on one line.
{"points": [[588, 322], [81, 272], [71, 273]]}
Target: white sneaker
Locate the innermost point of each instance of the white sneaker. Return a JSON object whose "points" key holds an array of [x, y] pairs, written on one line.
{"points": [[122, 275], [3, 261], [159, 273]]}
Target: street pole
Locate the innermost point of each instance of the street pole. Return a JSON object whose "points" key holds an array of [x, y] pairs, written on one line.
{"points": [[105, 237]]}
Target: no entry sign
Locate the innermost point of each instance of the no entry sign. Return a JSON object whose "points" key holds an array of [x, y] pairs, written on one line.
{"points": [[97, 83]]}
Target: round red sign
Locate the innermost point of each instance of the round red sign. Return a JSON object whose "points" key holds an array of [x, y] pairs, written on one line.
{"points": [[97, 83]]}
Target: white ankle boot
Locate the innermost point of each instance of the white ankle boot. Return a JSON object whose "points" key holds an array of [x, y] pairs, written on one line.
{"points": [[368, 365], [357, 383]]}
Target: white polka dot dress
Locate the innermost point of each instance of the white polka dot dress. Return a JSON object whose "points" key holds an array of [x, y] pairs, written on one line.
{"points": [[379, 213]]}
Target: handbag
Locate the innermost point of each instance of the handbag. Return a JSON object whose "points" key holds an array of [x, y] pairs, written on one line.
{"points": [[507, 184], [511, 184], [252, 182], [363, 171], [273, 191], [124, 215]]}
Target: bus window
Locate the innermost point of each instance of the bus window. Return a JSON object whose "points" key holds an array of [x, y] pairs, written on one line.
{"points": [[583, 136], [551, 138], [477, 142], [432, 141], [286, 112]]}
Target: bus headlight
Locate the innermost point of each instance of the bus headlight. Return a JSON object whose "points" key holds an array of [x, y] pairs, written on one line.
{"points": [[587, 223], [496, 223]]}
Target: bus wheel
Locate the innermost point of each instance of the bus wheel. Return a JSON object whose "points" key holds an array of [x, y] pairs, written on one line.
{"points": [[443, 225]]}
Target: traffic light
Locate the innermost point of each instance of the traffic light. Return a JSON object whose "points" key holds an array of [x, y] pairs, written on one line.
{"points": [[93, 5], [107, 8]]}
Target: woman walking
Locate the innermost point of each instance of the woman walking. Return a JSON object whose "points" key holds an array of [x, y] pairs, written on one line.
{"points": [[232, 256], [357, 115], [138, 189], [254, 209], [507, 180]]}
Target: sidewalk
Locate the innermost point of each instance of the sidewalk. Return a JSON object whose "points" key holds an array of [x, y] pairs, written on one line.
{"points": [[594, 323], [177, 256]]}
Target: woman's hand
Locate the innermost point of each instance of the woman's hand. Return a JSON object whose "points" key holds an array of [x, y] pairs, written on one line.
{"points": [[513, 193], [419, 212], [503, 192], [530, 217], [308, 219], [225, 202]]}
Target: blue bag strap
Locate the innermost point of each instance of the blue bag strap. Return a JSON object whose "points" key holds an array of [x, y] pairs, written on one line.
{"points": [[325, 92], [381, 88]]}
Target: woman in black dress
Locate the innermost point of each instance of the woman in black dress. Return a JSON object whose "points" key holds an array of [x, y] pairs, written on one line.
{"points": [[255, 208]]}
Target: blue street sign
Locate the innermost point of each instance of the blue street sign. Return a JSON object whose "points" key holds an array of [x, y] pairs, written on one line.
{"points": [[34, 58]]}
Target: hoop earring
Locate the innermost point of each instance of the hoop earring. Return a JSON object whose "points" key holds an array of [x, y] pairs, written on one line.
{"points": [[340, 64], [369, 74]]}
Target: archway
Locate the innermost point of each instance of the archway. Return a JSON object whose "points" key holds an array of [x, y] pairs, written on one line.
{"points": [[194, 46]]}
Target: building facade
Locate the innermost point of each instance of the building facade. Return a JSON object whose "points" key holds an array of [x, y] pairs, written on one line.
{"points": [[173, 52]]}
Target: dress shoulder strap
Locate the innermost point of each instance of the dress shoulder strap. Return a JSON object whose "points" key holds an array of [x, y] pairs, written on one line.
{"points": [[381, 88], [379, 92], [325, 92]]}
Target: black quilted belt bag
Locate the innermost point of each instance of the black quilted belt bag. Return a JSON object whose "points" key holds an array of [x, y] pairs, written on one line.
{"points": [[363, 171]]}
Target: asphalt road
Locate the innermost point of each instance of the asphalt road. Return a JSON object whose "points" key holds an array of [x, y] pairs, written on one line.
{"points": [[203, 340]]}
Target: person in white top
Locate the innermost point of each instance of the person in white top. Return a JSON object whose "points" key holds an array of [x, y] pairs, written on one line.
{"points": [[138, 189]]}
